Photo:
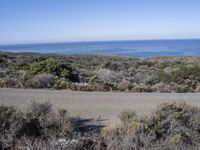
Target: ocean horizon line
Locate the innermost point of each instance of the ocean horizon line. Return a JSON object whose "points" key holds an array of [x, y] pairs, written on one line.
{"points": [[101, 41]]}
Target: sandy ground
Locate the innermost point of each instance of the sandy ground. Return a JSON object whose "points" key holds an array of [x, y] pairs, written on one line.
{"points": [[107, 105]]}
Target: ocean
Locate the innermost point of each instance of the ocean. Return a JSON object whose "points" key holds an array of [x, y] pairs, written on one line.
{"points": [[139, 48]]}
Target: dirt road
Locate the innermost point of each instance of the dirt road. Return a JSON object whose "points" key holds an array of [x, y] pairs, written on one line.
{"points": [[94, 104]]}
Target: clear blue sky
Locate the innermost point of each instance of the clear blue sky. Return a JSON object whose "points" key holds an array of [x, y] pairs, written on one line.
{"points": [[30, 21]]}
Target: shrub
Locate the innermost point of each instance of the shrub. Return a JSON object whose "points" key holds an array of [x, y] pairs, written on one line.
{"points": [[10, 120], [10, 83], [183, 89], [18, 66], [81, 87], [38, 121], [163, 88], [41, 81], [181, 74], [127, 116], [61, 83], [111, 133], [99, 85], [101, 73], [197, 88], [109, 65], [141, 88], [104, 74], [52, 67], [172, 126], [124, 85], [8, 116], [2, 60]]}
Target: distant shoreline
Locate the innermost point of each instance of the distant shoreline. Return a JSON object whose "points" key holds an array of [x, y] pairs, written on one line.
{"points": [[100, 55]]}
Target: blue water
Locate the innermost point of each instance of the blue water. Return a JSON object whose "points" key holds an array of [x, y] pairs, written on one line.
{"points": [[140, 49]]}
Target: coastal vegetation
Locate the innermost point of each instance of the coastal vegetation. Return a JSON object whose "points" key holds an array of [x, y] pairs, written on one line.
{"points": [[99, 72], [171, 126]]}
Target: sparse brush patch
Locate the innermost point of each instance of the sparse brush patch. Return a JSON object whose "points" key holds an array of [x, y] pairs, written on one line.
{"points": [[10, 83], [39, 127], [127, 116], [41, 81], [38, 121], [171, 126]]}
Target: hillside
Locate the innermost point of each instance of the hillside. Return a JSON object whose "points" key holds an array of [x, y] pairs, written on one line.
{"points": [[99, 72]]}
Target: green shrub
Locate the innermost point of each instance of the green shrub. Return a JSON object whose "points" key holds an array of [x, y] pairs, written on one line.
{"points": [[109, 65], [18, 66], [181, 74], [52, 67], [1, 60], [166, 64]]}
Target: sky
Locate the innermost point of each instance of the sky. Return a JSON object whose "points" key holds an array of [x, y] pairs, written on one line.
{"points": [[41, 21]]}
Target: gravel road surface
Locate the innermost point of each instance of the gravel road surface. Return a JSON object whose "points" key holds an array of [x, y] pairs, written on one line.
{"points": [[106, 105]]}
